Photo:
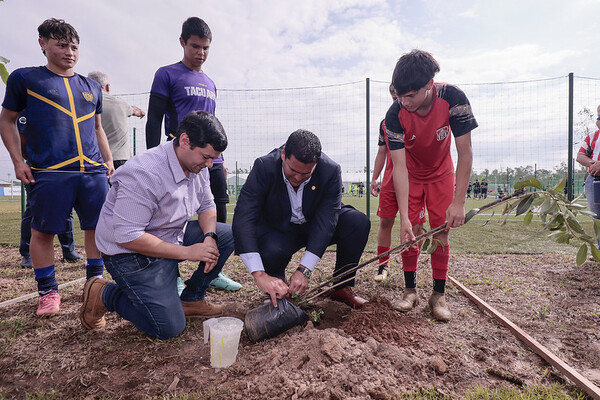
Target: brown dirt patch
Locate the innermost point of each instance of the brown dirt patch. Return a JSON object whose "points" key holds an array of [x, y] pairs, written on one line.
{"points": [[374, 353]]}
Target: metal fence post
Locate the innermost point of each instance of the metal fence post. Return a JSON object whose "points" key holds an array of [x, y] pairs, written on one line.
{"points": [[570, 149], [368, 138]]}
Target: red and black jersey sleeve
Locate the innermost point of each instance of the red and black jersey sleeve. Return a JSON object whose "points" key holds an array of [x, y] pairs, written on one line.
{"points": [[381, 139], [461, 116], [394, 128]]}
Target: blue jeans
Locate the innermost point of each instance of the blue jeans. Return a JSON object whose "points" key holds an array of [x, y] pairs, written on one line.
{"points": [[589, 195], [145, 292]]}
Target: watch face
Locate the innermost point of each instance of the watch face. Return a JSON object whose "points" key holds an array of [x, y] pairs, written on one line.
{"points": [[211, 234]]}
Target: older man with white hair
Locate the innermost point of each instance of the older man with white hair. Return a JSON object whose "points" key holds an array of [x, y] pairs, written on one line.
{"points": [[114, 119]]}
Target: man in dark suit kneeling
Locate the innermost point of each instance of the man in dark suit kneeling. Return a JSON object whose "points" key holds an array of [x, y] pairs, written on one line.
{"points": [[292, 199]]}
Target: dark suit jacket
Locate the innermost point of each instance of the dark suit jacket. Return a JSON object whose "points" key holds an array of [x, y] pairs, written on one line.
{"points": [[264, 205]]}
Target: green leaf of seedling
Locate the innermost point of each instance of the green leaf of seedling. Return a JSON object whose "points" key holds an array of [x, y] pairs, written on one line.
{"points": [[588, 239], [425, 244], [536, 184], [554, 221], [588, 213], [579, 198], [3, 73], [520, 185], [538, 201], [525, 204], [576, 206], [433, 246], [471, 214], [574, 225], [581, 254], [595, 252], [531, 182], [569, 214], [597, 228], [554, 233], [559, 186], [563, 238], [528, 217], [546, 205]]}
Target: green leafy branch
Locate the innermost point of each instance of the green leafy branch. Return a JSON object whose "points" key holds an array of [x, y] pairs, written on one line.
{"points": [[558, 215], [3, 70]]}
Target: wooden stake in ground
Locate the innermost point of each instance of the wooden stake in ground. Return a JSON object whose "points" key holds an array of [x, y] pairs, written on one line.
{"points": [[581, 382]]}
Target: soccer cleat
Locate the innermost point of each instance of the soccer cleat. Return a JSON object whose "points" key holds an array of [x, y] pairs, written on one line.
{"points": [[382, 275], [49, 304], [409, 300], [224, 282], [439, 309], [180, 285]]}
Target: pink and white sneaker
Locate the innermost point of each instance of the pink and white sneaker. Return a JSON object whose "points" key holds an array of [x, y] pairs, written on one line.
{"points": [[49, 304]]}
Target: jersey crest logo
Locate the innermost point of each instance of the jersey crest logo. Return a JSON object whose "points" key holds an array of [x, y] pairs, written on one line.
{"points": [[442, 133], [88, 96]]}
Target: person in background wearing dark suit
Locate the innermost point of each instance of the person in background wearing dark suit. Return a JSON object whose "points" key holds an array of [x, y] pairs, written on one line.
{"points": [[292, 199]]}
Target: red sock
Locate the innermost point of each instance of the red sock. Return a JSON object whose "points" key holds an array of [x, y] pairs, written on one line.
{"points": [[410, 258], [439, 262], [382, 249]]}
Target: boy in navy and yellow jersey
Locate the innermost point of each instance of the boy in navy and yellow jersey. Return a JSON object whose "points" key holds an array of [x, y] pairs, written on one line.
{"points": [[67, 149], [420, 126]]}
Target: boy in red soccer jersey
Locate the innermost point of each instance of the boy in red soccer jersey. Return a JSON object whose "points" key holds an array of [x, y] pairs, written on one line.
{"points": [[418, 127]]}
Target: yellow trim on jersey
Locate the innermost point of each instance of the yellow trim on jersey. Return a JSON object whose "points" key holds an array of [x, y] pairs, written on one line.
{"points": [[73, 114]]}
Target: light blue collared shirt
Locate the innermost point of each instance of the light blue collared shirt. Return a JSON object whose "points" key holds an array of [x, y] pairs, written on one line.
{"points": [[151, 194]]}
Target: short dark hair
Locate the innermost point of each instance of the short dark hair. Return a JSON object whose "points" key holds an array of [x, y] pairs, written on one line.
{"points": [[57, 29], [202, 128], [413, 71], [195, 26], [304, 145]]}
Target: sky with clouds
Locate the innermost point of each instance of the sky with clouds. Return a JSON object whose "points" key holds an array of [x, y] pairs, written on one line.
{"points": [[280, 43]]}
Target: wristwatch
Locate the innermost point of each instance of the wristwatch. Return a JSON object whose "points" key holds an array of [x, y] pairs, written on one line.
{"points": [[212, 235], [305, 271]]}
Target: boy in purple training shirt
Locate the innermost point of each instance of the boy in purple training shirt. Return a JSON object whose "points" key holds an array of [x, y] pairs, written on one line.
{"points": [[179, 89], [183, 87]]}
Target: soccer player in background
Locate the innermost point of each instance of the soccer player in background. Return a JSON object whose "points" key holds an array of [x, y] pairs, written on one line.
{"points": [[388, 206]]}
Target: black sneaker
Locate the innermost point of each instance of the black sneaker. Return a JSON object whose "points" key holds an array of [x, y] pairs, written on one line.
{"points": [[72, 256], [26, 262]]}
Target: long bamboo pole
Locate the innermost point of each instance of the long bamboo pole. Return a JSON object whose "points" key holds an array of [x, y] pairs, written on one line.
{"points": [[339, 279]]}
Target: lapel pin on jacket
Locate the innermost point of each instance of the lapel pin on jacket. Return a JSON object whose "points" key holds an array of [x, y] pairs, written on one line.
{"points": [[313, 188]]}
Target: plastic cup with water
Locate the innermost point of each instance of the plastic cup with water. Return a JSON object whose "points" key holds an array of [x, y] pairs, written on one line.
{"points": [[224, 341]]}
